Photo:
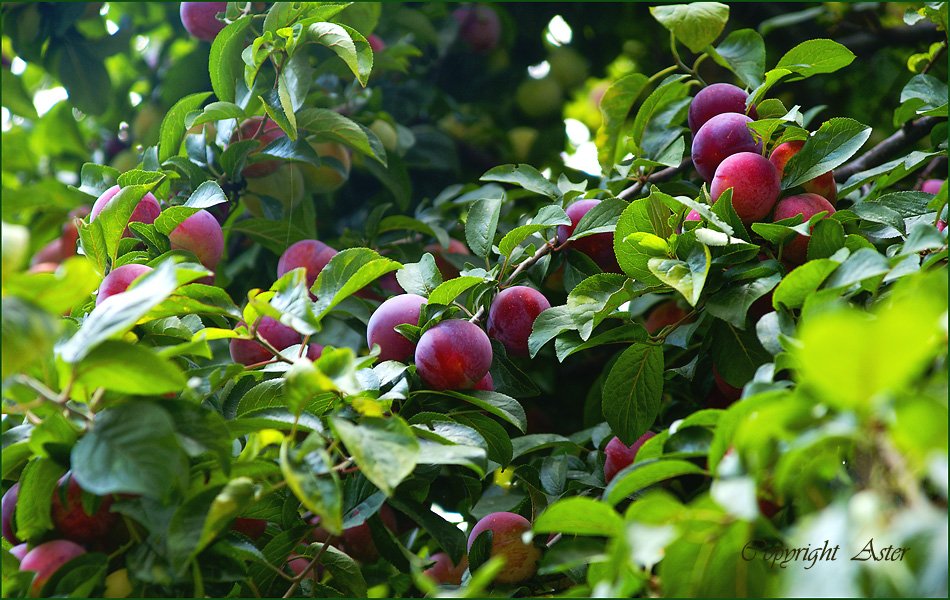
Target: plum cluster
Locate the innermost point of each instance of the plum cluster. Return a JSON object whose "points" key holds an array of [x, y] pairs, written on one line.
{"points": [[726, 154]]}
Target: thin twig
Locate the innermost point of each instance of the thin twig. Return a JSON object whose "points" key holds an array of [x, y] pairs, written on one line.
{"points": [[659, 176], [300, 577], [541, 252]]}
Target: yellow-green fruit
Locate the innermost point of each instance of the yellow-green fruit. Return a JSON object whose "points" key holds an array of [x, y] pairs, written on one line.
{"points": [[538, 98], [125, 161], [16, 246], [332, 174], [286, 184], [118, 584], [568, 67], [146, 125], [522, 139], [386, 134]]}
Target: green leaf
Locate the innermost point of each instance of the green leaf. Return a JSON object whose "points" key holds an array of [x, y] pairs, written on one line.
{"points": [[861, 265], [579, 516], [225, 64], [500, 405], [385, 450], [632, 391], [215, 111], [732, 303], [601, 218], [802, 282], [348, 44], [736, 353], [549, 216], [813, 57], [37, 486], [348, 272], [309, 473], [644, 474], [83, 74], [207, 195], [482, 222], [659, 100], [548, 325], [826, 238], [594, 299], [330, 126], [420, 278], [273, 235], [447, 534], [687, 277], [28, 334], [119, 313], [525, 176], [128, 368], [772, 78], [614, 107], [743, 53], [497, 440], [837, 140], [173, 125], [695, 25], [114, 458], [451, 289]]}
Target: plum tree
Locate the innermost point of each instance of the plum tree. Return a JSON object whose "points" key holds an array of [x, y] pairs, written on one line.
{"points": [[252, 528], [20, 550], [398, 310], [201, 235], [823, 185], [730, 393], [512, 315], [755, 184], [331, 176], [265, 131], [7, 510], [521, 559], [358, 541], [486, 384], [717, 99], [46, 559], [599, 246], [386, 133], [70, 517], [479, 27], [447, 269], [444, 571], [619, 456], [251, 352], [117, 584], [312, 255], [71, 231], [199, 19], [807, 205], [663, 315], [119, 279], [375, 42], [539, 98], [930, 186], [146, 211], [453, 355], [719, 138], [298, 564]]}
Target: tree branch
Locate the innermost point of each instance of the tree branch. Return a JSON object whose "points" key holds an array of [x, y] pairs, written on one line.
{"points": [[905, 137], [664, 175]]}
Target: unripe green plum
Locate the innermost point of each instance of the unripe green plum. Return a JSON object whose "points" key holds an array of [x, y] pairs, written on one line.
{"points": [[539, 98], [252, 129], [599, 246], [386, 134], [522, 140], [250, 352], [719, 138], [512, 316], [201, 235], [146, 211], [312, 255], [118, 584], [199, 19], [70, 518], [521, 559], [568, 67], [119, 279], [823, 185], [398, 310], [444, 571], [16, 245], [808, 205], [619, 456], [453, 355], [46, 559], [479, 26], [717, 99], [755, 184], [330, 176]]}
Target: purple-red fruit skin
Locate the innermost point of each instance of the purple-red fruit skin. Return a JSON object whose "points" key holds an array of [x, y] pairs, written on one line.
{"points": [[479, 26], [485, 384], [278, 335], [755, 184], [521, 559], [72, 521], [7, 507], [807, 205], [146, 211], [444, 571], [823, 185], [47, 558], [201, 235], [719, 138], [119, 279], [398, 310], [453, 355], [620, 456], [717, 99], [932, 186], [198, 19], [512, 315], [312, 255], [358, 541], [599, 247], [252, 129]]}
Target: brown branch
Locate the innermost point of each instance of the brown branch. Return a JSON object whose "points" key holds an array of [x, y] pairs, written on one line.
{"points": [[905, 137], [541, 252], [659, 176]]}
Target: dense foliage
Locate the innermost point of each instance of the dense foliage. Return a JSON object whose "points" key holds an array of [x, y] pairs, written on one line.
{"points": [[329, 299]]}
